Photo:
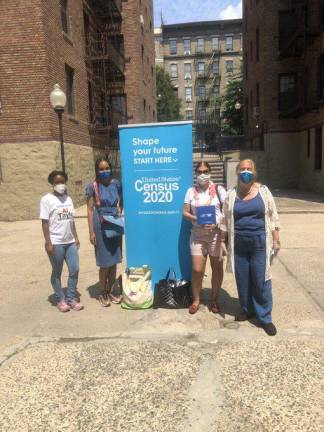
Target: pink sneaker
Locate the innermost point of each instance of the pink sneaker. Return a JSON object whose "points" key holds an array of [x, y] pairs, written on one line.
{"points": [[75, 305], [62, 306]]}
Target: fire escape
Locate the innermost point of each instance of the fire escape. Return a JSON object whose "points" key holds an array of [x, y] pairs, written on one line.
{"points": [[207, 111], [105, 65], [299, 35]]}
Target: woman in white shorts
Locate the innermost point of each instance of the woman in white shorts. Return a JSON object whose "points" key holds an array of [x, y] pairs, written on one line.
{"points": [[204, 240]]}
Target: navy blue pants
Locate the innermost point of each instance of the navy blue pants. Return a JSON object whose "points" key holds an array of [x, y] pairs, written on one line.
{"points": [[255, 294]]}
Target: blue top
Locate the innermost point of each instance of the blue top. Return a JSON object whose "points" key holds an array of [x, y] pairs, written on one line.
{"points": [[249, 216], [109, 196]]}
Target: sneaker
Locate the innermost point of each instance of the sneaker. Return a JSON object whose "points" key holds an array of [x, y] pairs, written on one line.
{"points": [[270, 329], [75, 305], [62, 306]]}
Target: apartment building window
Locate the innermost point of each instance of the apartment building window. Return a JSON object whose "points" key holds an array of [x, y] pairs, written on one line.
{"points": [[215, 43], [187, 71], [257, 44], [186, 46], [287, 92], [200, 45], [215, 90], [202, 91], [201, 68], [69, 75], [189, 114], [321, 77], [318, 148], [215, 67], [173, 46], [65, 16], [188, 94], [174, 70], [229, 67], [229, 43], [202, 113]]}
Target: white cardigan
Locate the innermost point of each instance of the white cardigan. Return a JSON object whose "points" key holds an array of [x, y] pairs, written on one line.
{"points": [[271, 223]]}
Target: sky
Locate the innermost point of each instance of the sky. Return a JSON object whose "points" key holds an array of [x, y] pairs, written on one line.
{"points": [[180, 11]]}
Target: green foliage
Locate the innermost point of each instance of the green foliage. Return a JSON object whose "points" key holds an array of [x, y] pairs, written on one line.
{"points": [[168, 103], [231, 117]]}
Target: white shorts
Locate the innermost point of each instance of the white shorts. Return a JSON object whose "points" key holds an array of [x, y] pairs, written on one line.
{"points": [[203, 243]]}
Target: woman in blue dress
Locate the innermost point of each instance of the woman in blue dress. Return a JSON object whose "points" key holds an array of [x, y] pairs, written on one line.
{"points": [[104, 197]]}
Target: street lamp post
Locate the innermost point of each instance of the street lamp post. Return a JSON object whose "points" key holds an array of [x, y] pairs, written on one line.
{"points": [[58, 101]]}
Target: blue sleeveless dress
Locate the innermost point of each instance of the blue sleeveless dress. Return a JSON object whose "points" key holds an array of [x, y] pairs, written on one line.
{"points": [[108, 251]]}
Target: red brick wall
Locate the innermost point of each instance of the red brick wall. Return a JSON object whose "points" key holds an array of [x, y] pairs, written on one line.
{"points": [[70, 50], [23, 72], [140, 81]]}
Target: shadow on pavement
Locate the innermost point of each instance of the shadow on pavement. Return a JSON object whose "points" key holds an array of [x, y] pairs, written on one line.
{"points": [[94, 291]]}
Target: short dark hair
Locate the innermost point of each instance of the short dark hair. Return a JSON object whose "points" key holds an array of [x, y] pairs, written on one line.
{"points": [[97, 163], [55, 173], [199, 164]]}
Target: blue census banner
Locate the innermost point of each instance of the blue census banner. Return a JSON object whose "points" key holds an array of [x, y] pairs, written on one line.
{"points": [[156, 163]]}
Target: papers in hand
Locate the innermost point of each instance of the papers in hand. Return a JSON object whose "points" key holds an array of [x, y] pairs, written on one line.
{"points": [[206, 215]]}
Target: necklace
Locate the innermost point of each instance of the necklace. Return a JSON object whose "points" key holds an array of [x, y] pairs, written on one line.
{"points": [[242, 194]]}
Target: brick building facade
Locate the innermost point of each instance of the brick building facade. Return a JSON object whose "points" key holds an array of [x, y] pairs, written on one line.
{"points": [[140, 67], [284, 89], [200, 58], [84, 46]]}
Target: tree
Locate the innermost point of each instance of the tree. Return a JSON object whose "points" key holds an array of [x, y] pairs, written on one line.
{"points": [[232, 108], [168, 103]]}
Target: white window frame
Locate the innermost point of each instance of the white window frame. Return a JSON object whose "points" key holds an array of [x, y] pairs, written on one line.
{"points": [[170, 46], [229, 72], [174, 74], [187, 75], [218, 43], [226, 45], [188, 98], [198, 70], [187, 51], [198, 49]]}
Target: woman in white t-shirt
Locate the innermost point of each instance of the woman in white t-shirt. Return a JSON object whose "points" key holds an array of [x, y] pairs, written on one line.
{"points": [[204, 238], [61, 240]]}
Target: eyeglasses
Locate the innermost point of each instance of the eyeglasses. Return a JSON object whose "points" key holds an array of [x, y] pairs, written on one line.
{"points": [[206, 171]]}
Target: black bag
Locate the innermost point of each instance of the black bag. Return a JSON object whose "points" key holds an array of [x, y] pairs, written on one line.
{"points": [[172, 293]]}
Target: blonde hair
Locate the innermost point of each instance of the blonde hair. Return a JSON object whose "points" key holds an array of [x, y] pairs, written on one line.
{"points": [[253, 167]]}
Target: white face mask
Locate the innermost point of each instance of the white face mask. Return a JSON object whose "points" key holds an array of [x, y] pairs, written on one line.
{"points": [[203, 179], [60, 188]]}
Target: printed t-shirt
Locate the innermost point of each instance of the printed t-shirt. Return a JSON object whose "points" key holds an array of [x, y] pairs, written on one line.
{"points": [[59, 211]]}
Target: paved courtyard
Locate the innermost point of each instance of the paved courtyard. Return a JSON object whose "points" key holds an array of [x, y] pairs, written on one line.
{"points": [[158, 370]]}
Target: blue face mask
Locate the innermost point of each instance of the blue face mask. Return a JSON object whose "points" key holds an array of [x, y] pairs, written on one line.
{"points": [[246, 176], [105, 175]]}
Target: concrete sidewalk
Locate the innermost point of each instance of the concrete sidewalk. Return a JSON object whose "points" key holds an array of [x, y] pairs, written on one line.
{"points": [[159, 370]]}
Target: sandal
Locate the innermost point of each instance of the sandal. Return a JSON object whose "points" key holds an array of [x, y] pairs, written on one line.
{"points": [[193, 308], [214, 308], [104, 299], [115, 299]]}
